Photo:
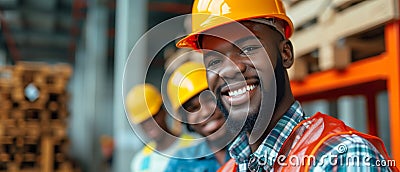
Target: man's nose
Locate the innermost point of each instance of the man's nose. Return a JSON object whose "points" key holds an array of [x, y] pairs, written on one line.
{"points": [[232, 68]]}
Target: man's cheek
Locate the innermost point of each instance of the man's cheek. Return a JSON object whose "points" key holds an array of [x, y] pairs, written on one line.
{"points": [[212, 80]]}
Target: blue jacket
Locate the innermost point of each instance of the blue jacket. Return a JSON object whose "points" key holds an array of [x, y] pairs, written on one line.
{"points": [[197, 158]]}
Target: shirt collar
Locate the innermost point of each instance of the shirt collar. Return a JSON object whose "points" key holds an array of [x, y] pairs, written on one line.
{"points": [[240, 149], [268, 150]]}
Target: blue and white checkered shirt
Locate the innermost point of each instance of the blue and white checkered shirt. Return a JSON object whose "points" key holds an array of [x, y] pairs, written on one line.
{"points": [[264, 157]]}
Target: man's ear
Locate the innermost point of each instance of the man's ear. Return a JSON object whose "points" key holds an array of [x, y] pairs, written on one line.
{"points": [[286, 49]]}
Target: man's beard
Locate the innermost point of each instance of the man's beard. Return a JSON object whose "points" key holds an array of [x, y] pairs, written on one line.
{"points": [[232, 126], [251, 119]]}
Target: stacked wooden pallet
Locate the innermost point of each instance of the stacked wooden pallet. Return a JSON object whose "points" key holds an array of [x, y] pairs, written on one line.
{"points": [[33, 118], [331, 34]]}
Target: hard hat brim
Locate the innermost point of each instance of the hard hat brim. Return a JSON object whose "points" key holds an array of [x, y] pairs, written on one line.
{"points": [[191, 40]]}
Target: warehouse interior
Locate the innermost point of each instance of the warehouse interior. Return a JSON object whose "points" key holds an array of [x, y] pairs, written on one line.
{"points": [[63, 62]]}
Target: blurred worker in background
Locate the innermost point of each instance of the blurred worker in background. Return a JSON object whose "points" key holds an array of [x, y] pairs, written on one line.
{"points": [[107, 150], [200, 114], [172, 61], [144, 106], [245, 60]]}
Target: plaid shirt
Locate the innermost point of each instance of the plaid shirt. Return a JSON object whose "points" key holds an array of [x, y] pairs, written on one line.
{"points": [[264, 157]]}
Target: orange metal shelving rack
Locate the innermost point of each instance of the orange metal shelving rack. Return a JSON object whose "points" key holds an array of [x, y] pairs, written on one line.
{"points": [[365, 77]]}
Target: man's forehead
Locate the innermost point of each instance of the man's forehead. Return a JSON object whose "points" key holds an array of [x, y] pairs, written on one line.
{"points": [[239, 29], [234, 33]]}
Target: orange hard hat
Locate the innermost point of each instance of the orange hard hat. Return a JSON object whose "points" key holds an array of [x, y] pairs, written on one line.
{"points": [[143, 102], [208, 14], [187, 81]]}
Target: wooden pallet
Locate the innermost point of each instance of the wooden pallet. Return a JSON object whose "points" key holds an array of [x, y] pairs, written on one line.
{"points": [[329, 27], [33, 134], [6, 77], [46, 154]]}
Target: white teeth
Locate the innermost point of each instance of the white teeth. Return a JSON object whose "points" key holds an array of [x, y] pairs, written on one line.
{"points": [[241, 90]]}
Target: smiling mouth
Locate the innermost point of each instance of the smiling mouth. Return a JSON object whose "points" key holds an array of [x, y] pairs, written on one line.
{"points": [[242, 90], [239, 93]]}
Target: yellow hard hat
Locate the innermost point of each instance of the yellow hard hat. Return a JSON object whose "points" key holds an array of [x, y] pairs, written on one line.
{"points": [[207, 14], [142, 102], [188, 80]]}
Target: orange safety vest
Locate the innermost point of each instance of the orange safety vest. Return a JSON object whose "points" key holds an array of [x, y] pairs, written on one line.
{"points": [[321, 127]]}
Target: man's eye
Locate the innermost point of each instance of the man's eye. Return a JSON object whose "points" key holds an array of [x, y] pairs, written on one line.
{"points": [[249, 50], [213, 62]]}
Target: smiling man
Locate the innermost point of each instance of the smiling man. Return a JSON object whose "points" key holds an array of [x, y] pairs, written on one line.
{"points": [[190, 98], [246, 51]]}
